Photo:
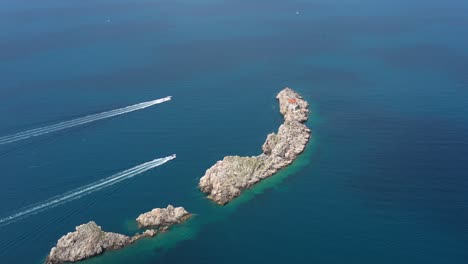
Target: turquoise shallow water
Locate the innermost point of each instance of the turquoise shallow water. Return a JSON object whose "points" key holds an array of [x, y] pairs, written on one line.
{"points": [[383, 181]]}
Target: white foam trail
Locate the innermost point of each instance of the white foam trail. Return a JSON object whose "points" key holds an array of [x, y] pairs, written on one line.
{"points": [[87, 189], [79, 121]]}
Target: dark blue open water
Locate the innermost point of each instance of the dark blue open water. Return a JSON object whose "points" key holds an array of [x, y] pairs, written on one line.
{"points": [[383, 181]]}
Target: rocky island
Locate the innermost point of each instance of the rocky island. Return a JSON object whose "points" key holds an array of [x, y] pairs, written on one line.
{"points": [[90, 240], [163, 218], [222, 182], [229, 177]]}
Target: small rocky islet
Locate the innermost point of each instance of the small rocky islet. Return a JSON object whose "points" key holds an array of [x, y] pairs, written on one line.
{"points": [[163, 218], [90, 240], [227, 179], [222, 182]]}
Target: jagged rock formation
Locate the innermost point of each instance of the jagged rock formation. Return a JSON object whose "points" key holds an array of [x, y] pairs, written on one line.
{"points": [[229, 177], [147, 233], [162, 218], [89, 240]]}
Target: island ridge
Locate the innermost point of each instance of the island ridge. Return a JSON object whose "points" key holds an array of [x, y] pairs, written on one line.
{"points": [[229, 177]]}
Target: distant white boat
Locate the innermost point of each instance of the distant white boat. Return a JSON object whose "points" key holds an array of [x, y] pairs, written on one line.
{"points": [[297, 12]]}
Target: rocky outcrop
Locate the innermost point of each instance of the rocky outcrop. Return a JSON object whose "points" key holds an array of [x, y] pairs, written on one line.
{"points": [[147, 233], [162, 218], [229, 177], [292, 106], [89, 240]]}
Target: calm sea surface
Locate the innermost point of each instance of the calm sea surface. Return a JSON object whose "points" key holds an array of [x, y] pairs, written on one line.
{"points": [[384, 179]]}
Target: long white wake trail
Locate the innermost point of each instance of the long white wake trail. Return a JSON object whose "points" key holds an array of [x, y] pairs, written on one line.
{"points": [[87, 189], [79, 121]]}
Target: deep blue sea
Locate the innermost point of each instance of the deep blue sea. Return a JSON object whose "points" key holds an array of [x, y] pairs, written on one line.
{"points": [[384, 179]]}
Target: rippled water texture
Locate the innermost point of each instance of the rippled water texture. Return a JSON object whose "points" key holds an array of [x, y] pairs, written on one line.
{"points": [[382, 181]]}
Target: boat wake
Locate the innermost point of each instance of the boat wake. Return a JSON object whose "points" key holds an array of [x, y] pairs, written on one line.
{"points": [[78, 121], [85, 190]]}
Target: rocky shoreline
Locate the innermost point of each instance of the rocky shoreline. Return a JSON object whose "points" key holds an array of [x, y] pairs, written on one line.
{"points": [[222, 182], [90, 240], [227, 179]]}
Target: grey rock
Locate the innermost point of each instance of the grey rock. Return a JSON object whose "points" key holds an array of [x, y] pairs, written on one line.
{"points": [[229, 177], [162, 218], [88, 240], [147, 233], [292, 106]]}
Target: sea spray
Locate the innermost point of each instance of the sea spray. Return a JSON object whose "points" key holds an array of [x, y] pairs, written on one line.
{"points": [[84, 190], [78, 121]]}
